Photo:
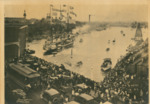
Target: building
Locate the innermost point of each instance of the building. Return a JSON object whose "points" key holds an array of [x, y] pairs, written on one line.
{"points": [[15, 37]]}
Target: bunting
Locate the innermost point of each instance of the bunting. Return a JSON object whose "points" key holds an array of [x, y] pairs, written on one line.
{"points": [[73, 14], [57, 10], [71, 7], [61, 16], [51, 5], [64, 5], [70, 17], [54, 14], [62, 10]]}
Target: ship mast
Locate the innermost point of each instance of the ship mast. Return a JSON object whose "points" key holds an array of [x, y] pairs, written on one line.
{"points": [[51, 6]]}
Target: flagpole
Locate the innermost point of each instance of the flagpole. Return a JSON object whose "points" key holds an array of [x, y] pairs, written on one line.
{"points": [[60, 10], [68, 20], [50, 13], [51, 21], [60, 23]]}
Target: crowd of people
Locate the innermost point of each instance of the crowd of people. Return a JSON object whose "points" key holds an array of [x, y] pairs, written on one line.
{"points": [[117, 86]]}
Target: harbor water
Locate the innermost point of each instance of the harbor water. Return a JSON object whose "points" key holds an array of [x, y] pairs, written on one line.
{"points": [[91, 51]]}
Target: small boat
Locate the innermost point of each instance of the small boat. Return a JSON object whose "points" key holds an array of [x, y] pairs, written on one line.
{"points": [[107, 49], [114, 40], [79, 63], [81, 40], [124, 34], [106, 66], [108, 41], [121, 31]]}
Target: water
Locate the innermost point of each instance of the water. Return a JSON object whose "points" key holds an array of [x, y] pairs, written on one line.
{"points": [[91, 51]]}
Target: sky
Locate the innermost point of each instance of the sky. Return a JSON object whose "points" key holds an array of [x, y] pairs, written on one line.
{"points": [[99, 12]]}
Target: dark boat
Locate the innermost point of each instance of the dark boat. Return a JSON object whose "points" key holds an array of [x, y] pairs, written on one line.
{"points": [[50, 48], [79, 63], [107, 49], [114, 40], [81, 40], [106, 66], [121, 31]]}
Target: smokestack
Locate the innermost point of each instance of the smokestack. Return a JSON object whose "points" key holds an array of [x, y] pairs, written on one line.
{"points": [[89, 18]]}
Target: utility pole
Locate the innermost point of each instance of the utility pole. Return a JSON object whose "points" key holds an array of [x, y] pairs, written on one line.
{"points": [[24, 15], [60, 23], [89, 18]]}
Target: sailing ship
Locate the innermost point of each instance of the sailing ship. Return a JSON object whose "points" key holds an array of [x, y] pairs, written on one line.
{"points": [[57, 46], [65, 42]]}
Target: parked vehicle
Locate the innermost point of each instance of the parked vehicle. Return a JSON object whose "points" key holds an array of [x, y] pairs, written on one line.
{"points": [[85, 99], [52, 96], [81, 88], [73, 102]]}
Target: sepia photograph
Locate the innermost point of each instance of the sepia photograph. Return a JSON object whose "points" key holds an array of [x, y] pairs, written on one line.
{"points": [[76, 53]]}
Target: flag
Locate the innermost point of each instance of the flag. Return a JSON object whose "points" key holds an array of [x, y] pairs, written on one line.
{"points": [[61, 16], [54, 13], [70, 17], [64, 5], [57, 10], [73, 14], [63, 10], [51, 5], [71, 7]]}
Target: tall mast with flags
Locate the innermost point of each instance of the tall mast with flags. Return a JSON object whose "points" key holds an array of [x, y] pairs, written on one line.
{"points": [[51, 7]]}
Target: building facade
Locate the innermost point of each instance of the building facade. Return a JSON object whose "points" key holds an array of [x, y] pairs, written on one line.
{"points": [[15, 37]]}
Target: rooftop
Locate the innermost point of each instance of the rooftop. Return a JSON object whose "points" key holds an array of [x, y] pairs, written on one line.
{"points": [[52, 92], [86, 96]]}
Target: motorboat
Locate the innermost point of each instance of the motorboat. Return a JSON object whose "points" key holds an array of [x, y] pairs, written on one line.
{"points": [[121, 31], [79, 63], [50, 48], [106, 65], [114, 40]]}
